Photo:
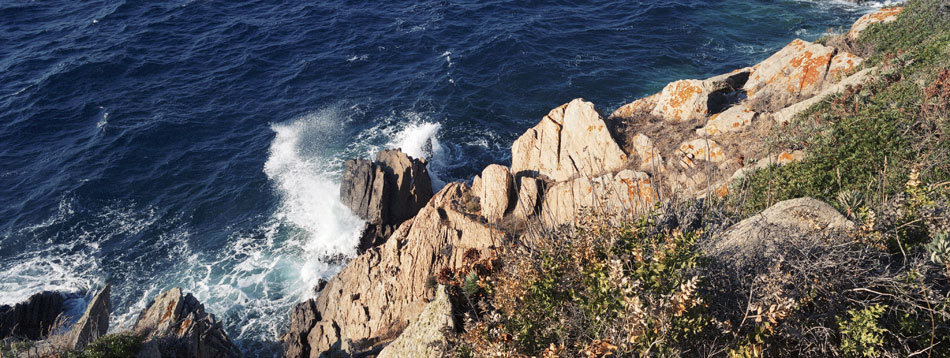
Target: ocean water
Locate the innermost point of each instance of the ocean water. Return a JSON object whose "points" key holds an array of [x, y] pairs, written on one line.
{"points": [[199, 143]]}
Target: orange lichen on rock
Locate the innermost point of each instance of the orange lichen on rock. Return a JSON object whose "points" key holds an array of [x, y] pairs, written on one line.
{"points": [[642, 105], [681, 101], [843, 63], [881, 16], [699, 149], [734, 119]]}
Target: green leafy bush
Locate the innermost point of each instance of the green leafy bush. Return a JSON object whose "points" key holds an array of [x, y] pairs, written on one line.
{"points": [[861, 335]]}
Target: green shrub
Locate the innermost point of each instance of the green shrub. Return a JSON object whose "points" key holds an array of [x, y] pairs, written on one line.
{"points": [[861, 335], [121, 345]]}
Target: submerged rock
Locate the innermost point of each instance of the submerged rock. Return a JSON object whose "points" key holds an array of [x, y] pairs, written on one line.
{"points": [[384, 192], [175, 325]]}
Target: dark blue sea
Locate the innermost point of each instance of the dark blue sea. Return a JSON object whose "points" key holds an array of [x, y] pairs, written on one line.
{"points": [[152, 144]]}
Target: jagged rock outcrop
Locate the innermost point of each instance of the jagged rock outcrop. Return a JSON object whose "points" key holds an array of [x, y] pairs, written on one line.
{"points": [[621, 195], [425, 337], [734, 119], [377, 295], [33, 318], [93, 324], [691, 139], [175, 325], [528, 198], [883, 15], [651, 160], [496, 191], [802, 218], [787, 114], [691, 100], [572, 140], [384, 192], [796, 72]]}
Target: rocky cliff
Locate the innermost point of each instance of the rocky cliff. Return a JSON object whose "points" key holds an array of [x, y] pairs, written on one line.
{"points": [[692, 139]]}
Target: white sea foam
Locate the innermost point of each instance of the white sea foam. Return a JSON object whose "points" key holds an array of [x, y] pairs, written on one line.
{"points": [[419, 139], [299, 165]]}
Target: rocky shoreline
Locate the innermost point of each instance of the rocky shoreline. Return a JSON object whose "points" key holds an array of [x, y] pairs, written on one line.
{"points": [[691, 140]]}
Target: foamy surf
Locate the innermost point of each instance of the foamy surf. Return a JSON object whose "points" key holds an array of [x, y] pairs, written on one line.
{"points": [[300, 166]]}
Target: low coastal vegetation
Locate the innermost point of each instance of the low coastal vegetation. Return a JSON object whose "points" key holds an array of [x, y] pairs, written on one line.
{"points": [[878, 152]]}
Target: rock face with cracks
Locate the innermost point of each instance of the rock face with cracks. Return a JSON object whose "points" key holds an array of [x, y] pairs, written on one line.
{"points": [[380, 292], [94, 323], [426, 335], [175, 325], [33, 318], [571, 141], [690, 140], [384, 192]]}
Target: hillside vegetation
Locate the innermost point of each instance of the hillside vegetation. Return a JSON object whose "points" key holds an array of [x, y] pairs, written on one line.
{"points": [[879, 153]]}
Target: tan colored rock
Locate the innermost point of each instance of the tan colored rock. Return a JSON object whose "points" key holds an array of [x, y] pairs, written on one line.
{"points": [[175, 325], [650, 158], [571, 140], [527, 204], [841, 65], [801, 69], [375, 297], [642, 105], [384, 192], [695, 150], [734, 119], [621, 195], [694, 100], [780, 159], [497, 190], [93, 324], [425, 336], [682, 100], [775, 159], [787, 114], [804, 217], [883, 15]]}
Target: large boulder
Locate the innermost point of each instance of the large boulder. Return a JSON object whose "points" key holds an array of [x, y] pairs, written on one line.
{"points": [[625, 194], [883, 15], [384, 192], [32, 319], [651, 160], [373, 299], [175, 325], [572, 140], [800, 70], [799, 218], [694, 100], [788, 114], [426, 335], [734, 119], [93, 324], [496, 191]]}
